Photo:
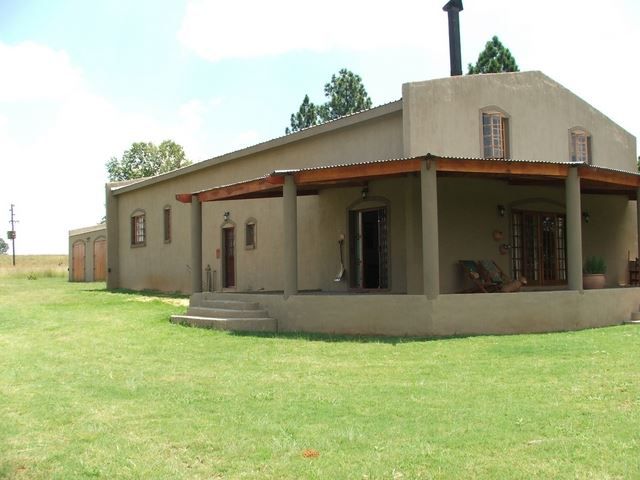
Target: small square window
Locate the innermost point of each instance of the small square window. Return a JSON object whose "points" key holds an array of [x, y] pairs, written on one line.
{"points": [[250, 235], [138, 231]]}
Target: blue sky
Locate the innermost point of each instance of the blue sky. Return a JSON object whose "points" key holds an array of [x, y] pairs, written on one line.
{"points": [[81, 80]]}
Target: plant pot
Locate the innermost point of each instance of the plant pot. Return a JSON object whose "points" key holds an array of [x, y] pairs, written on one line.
{"points": [[592, 281]]}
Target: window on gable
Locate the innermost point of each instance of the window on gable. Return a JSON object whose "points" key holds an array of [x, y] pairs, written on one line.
{"points": [[250, 234], [580, 146], [494, 135], [167, 224], [138, 229]]}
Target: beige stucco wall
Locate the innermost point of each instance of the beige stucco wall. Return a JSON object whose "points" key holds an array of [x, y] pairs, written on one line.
{"points": [[415, 315], [88, 236], [443, 117], [166, 266]]}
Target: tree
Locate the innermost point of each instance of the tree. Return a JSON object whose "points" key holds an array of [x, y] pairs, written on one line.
{"points": [[345, 94], [495, 58], [146, 160], [307, 116], [4, 247]]}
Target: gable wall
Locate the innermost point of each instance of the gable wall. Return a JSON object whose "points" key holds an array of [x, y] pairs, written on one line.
{"points": [[443, 117]]}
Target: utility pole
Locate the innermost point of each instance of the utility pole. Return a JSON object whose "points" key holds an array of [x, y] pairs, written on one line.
{"points": [[12, 234]]}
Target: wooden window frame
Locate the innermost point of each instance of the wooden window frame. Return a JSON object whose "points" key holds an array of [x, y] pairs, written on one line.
{"points": [[494, 133], [251, 238], [138, 229], [166, 221], [580, 145]]}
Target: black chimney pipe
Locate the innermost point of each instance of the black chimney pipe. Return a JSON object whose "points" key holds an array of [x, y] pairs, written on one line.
{"points": [[453, 7]]}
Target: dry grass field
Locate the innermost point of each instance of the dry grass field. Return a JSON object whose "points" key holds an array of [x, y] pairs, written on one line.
{"points": [[34, 266]]}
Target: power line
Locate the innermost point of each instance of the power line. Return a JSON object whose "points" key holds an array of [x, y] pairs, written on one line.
{"points": [[12, 233]]}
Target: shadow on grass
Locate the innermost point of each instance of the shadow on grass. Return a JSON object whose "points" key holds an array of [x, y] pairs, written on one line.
{"points": [[140, 293], [329, 338]]}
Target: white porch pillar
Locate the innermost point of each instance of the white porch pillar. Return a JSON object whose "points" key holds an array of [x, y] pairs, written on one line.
{"points": [[290, 230], [430, 251], [574, 230], [196, 245]]}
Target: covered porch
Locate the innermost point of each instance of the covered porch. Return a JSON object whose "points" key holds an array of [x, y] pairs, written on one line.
{"points": [[428, 306]]}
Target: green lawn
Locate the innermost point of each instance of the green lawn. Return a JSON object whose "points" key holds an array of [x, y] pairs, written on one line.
{"points": [[100, 385]]}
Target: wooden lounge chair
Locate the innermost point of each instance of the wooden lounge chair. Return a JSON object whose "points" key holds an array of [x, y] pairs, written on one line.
{"points": [[478, 275]]}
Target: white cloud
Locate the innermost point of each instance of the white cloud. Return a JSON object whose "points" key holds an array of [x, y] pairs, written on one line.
{"points": [[249, 28], [55, 175]]}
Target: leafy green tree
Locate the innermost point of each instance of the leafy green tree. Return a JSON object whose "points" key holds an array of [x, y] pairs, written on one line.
{"points": [[146, 160], [345, 95], [495, 58], [307, 116], [4, 247]]}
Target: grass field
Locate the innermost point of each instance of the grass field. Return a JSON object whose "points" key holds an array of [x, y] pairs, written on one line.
{"points": [[96, 384], [34, 266]]}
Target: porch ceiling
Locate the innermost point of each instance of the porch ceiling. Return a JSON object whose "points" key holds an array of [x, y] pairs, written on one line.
{"points": [[309, 181]]}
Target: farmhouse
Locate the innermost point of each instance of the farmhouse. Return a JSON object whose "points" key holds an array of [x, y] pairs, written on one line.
{"points": [[359, 225]]}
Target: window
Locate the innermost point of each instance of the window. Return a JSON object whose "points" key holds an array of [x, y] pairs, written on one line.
{"points": [[494, 135], [580, 146], [138, 230], [250, 234], [167, 224]]}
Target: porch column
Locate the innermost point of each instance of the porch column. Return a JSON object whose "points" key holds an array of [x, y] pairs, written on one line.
{"points": [[430, 253], [196, 245], [574, 230], [638, 220], [290, 230]]}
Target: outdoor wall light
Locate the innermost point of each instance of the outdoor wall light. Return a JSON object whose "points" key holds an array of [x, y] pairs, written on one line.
{"points": [[365, 192], [586, 217], [501, 210], [226, 216]]}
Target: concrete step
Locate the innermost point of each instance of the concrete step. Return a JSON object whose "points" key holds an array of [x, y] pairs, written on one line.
{"points": [[635, 315], [233, 324], [226, 313], [229, 304]]}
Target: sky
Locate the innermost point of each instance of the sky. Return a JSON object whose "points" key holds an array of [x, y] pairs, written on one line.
{"points": [[82, 80]]}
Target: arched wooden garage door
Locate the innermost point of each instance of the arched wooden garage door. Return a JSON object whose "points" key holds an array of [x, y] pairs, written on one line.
{"points": [[77, 261], [100, 260]]}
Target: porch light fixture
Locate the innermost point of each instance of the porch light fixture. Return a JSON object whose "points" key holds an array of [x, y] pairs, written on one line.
{"points": [[365, 192], [586, 217], [501, 210], [226, 216]]}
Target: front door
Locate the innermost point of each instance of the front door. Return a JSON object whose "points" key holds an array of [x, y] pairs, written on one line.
{"points": [[228, 260], [77, 262], [539, 247], [100, 260], [368, 248]]}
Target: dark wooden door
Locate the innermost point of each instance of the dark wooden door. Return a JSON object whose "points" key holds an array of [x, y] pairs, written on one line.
{"points": [[77, 261], [100, 260], [229, 258], [369, 249]]}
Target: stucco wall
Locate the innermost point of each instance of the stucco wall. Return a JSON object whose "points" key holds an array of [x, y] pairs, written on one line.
{"points": [[443, 117], [491, 313], [166, 266]]}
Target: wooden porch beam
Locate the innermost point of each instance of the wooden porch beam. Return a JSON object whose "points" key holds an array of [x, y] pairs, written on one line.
{"points": [[347, 173], [609, 177], [238, 190], [502, 167]]}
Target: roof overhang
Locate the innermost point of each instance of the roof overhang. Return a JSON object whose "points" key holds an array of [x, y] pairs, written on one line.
{"points": [[310, 181]]}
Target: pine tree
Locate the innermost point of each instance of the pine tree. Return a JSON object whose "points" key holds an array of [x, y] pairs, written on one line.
{"points": [[495, 58]]}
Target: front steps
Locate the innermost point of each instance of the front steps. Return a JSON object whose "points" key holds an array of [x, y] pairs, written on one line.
{"points": [[208, 312]]}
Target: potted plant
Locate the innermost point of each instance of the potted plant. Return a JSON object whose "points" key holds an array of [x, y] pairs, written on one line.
{"points": [[593, 273]]}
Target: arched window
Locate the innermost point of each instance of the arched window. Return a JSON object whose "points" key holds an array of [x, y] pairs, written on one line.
{"points": [[250, 234], [580, 145], [495, 133], [138, 229]]}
